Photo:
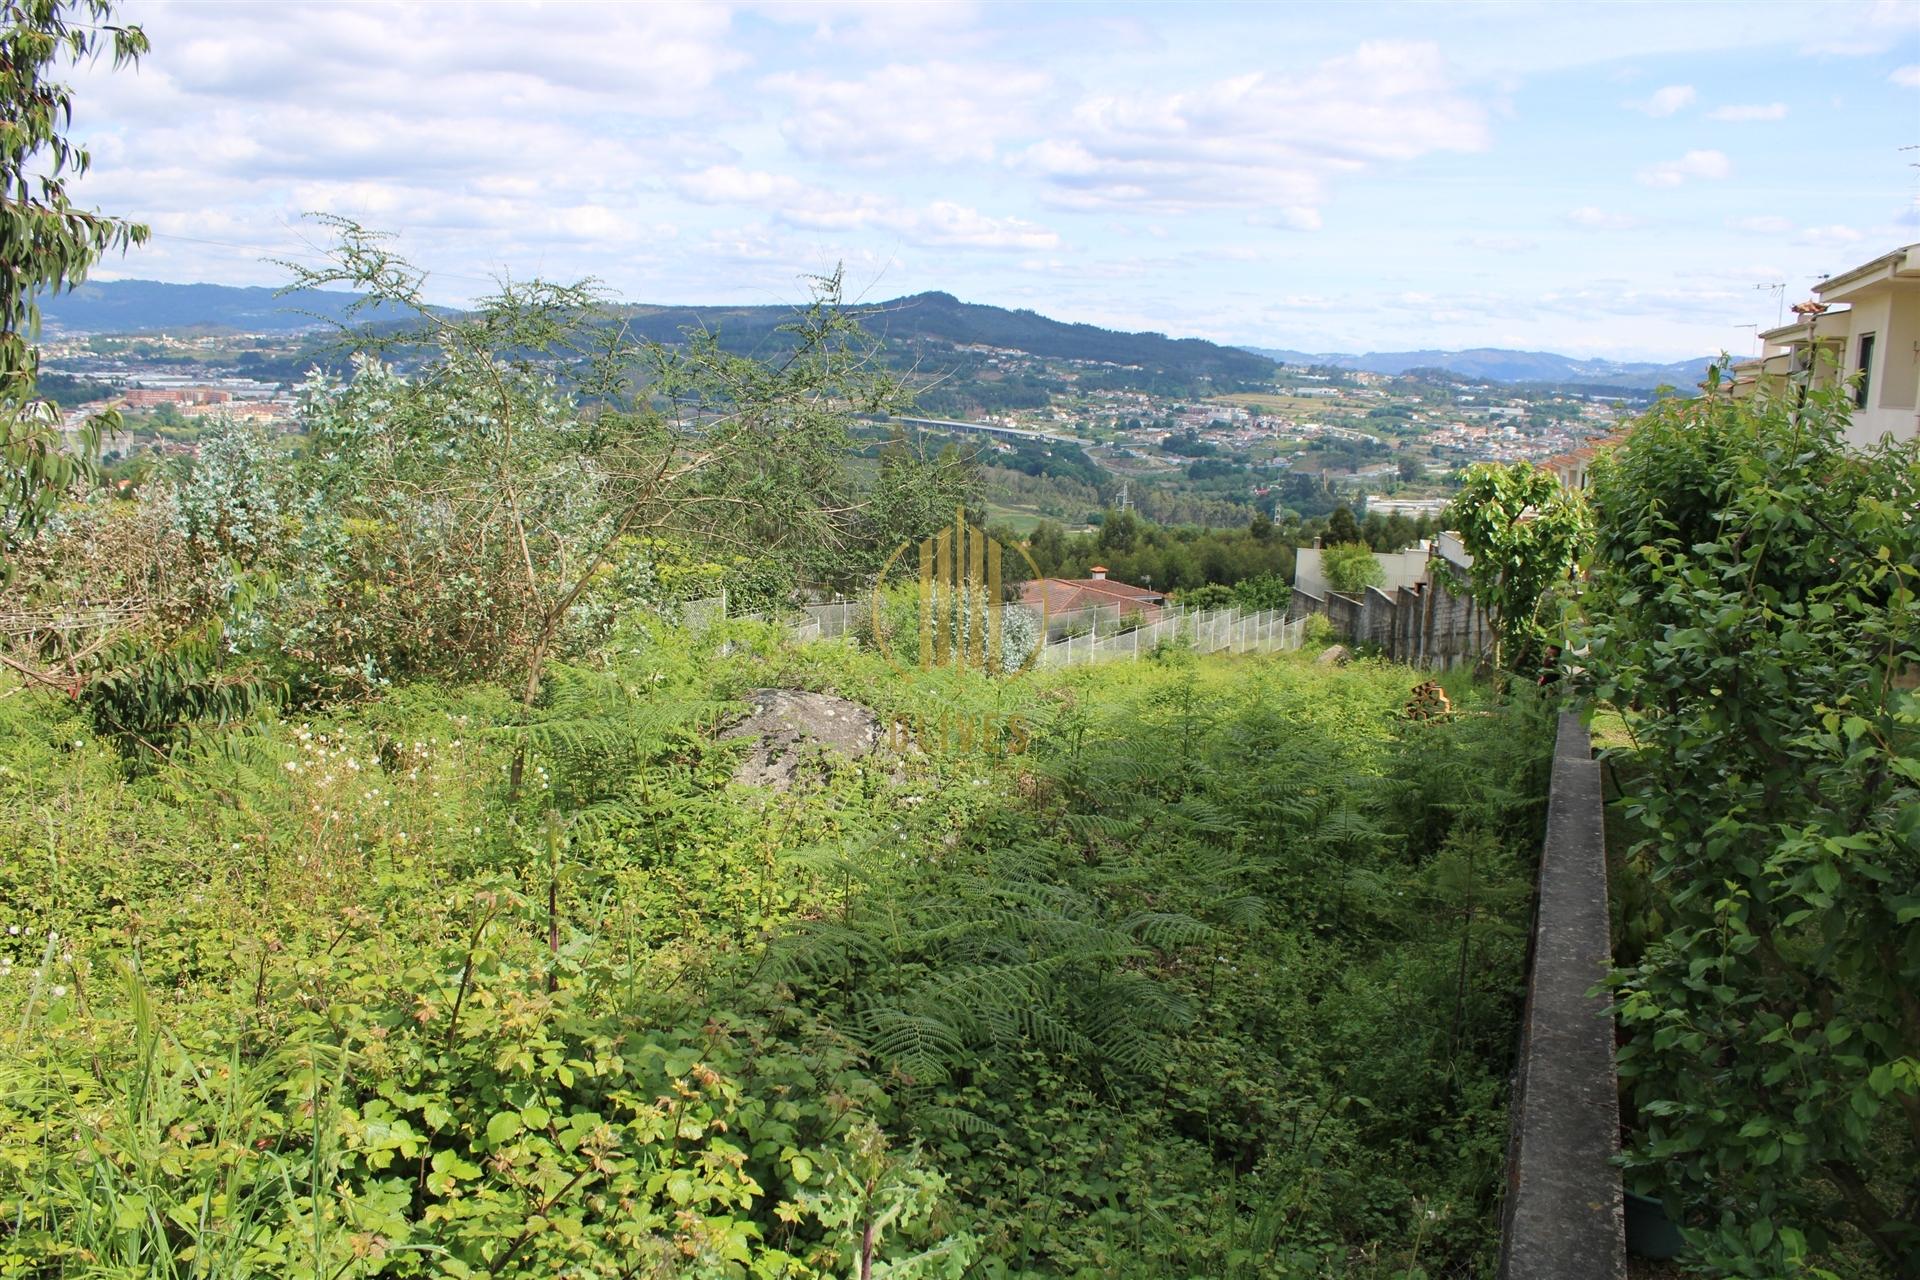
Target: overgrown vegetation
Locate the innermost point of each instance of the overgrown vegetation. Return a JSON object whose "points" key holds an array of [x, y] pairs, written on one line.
{"points": [[1217, 977], [1753, 614], [379, 900]]}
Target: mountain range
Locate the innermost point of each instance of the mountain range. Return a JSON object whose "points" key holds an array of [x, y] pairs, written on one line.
{"points": [[1497, 364], [940, 319], [147, 306]]}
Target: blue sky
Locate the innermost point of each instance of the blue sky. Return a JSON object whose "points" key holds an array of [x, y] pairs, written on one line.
{"points": [[1606, 180]]}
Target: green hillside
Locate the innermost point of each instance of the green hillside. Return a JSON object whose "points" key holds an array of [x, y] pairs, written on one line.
{"points": [[1183, 970]]}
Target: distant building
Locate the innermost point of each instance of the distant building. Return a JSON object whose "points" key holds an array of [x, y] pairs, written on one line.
{"points": [[1573, 469], [153, 397], [256, 410], [1863, 324], [1411, 508], [1059, 596]]}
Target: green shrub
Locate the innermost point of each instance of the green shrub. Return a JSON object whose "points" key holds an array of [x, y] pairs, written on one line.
{"points": [[1753, 613]]}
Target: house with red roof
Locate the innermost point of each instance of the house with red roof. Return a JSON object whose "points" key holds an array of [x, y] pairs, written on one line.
{"points": [[1057, 596]]}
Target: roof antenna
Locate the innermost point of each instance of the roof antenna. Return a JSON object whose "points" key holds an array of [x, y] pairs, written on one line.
{"points": [[1779, 291]]}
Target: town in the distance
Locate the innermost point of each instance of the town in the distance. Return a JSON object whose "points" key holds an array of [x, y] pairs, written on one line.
{"points": [[1064, 420]]}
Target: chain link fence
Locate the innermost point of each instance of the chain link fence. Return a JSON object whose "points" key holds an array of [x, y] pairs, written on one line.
{"points": [[1205, 630], [1108, 634]]}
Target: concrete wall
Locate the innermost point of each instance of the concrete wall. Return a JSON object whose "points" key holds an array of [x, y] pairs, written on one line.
{"points": [[1423, 623], [1308, 574], [1397, 568], [1564, 1217]]}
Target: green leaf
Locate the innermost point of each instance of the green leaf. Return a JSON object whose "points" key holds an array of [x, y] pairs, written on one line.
{"points": [[503, 1127]]}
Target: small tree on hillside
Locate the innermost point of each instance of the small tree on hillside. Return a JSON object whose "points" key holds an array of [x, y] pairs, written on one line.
{"points": [[1342, 527], [1350, 568], [1526, 534]]}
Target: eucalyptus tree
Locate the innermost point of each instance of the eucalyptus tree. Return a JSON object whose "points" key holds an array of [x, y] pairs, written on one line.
{"points": [[46, 243]]}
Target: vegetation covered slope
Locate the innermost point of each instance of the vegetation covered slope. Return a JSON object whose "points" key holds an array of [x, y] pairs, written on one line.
{"points": [[1185, 967]]}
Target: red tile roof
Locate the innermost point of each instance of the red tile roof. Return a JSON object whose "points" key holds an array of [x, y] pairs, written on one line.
{"points": [[1064, 595]]}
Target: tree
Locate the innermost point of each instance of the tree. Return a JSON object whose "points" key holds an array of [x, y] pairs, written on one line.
{"points": [[46, 244], [916, 494], [468, 509], [1047, 544], [1754, 609], [1350, 568], [1120, 531], [1526, 534], [1342, 527], [1263, 591]]}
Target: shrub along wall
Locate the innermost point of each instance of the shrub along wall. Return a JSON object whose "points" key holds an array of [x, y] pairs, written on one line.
{"points": [[1754, 614]]}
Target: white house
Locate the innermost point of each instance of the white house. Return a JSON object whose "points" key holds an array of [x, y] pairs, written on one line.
{"points": [[1865, 325]]}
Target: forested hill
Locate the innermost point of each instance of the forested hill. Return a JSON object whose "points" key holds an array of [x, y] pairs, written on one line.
{"points": [[148, 306], [915, 328], [1496, 364], [925, 329]]}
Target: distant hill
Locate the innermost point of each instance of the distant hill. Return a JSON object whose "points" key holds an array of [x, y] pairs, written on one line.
{"points": [[1494, 364], [928, 319], [940, 319], [147, 306], [914, 327]]}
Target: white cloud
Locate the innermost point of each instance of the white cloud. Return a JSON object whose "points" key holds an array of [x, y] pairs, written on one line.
{"points": [[1500, 244], [1834, 235], [1694, 164], [1298, 217], [799, 204], [1601, 220], [1907, 77], [1761, 225], [1258, 139], [929, 112], [1860, 30], [1663, 102], [1749, 113]]}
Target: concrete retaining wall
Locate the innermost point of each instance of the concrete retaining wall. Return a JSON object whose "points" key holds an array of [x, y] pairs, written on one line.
{"points": [[1564, 1218]]}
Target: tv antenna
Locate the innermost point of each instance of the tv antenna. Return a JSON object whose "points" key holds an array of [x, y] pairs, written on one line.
{"points": [[1779, 291]]}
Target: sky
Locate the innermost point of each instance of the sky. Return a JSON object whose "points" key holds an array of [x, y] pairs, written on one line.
{"points": [[1616, 180]]}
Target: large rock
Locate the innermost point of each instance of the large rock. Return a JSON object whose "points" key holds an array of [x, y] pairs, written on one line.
{"points": [[792, 726], [1336, 655]]}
